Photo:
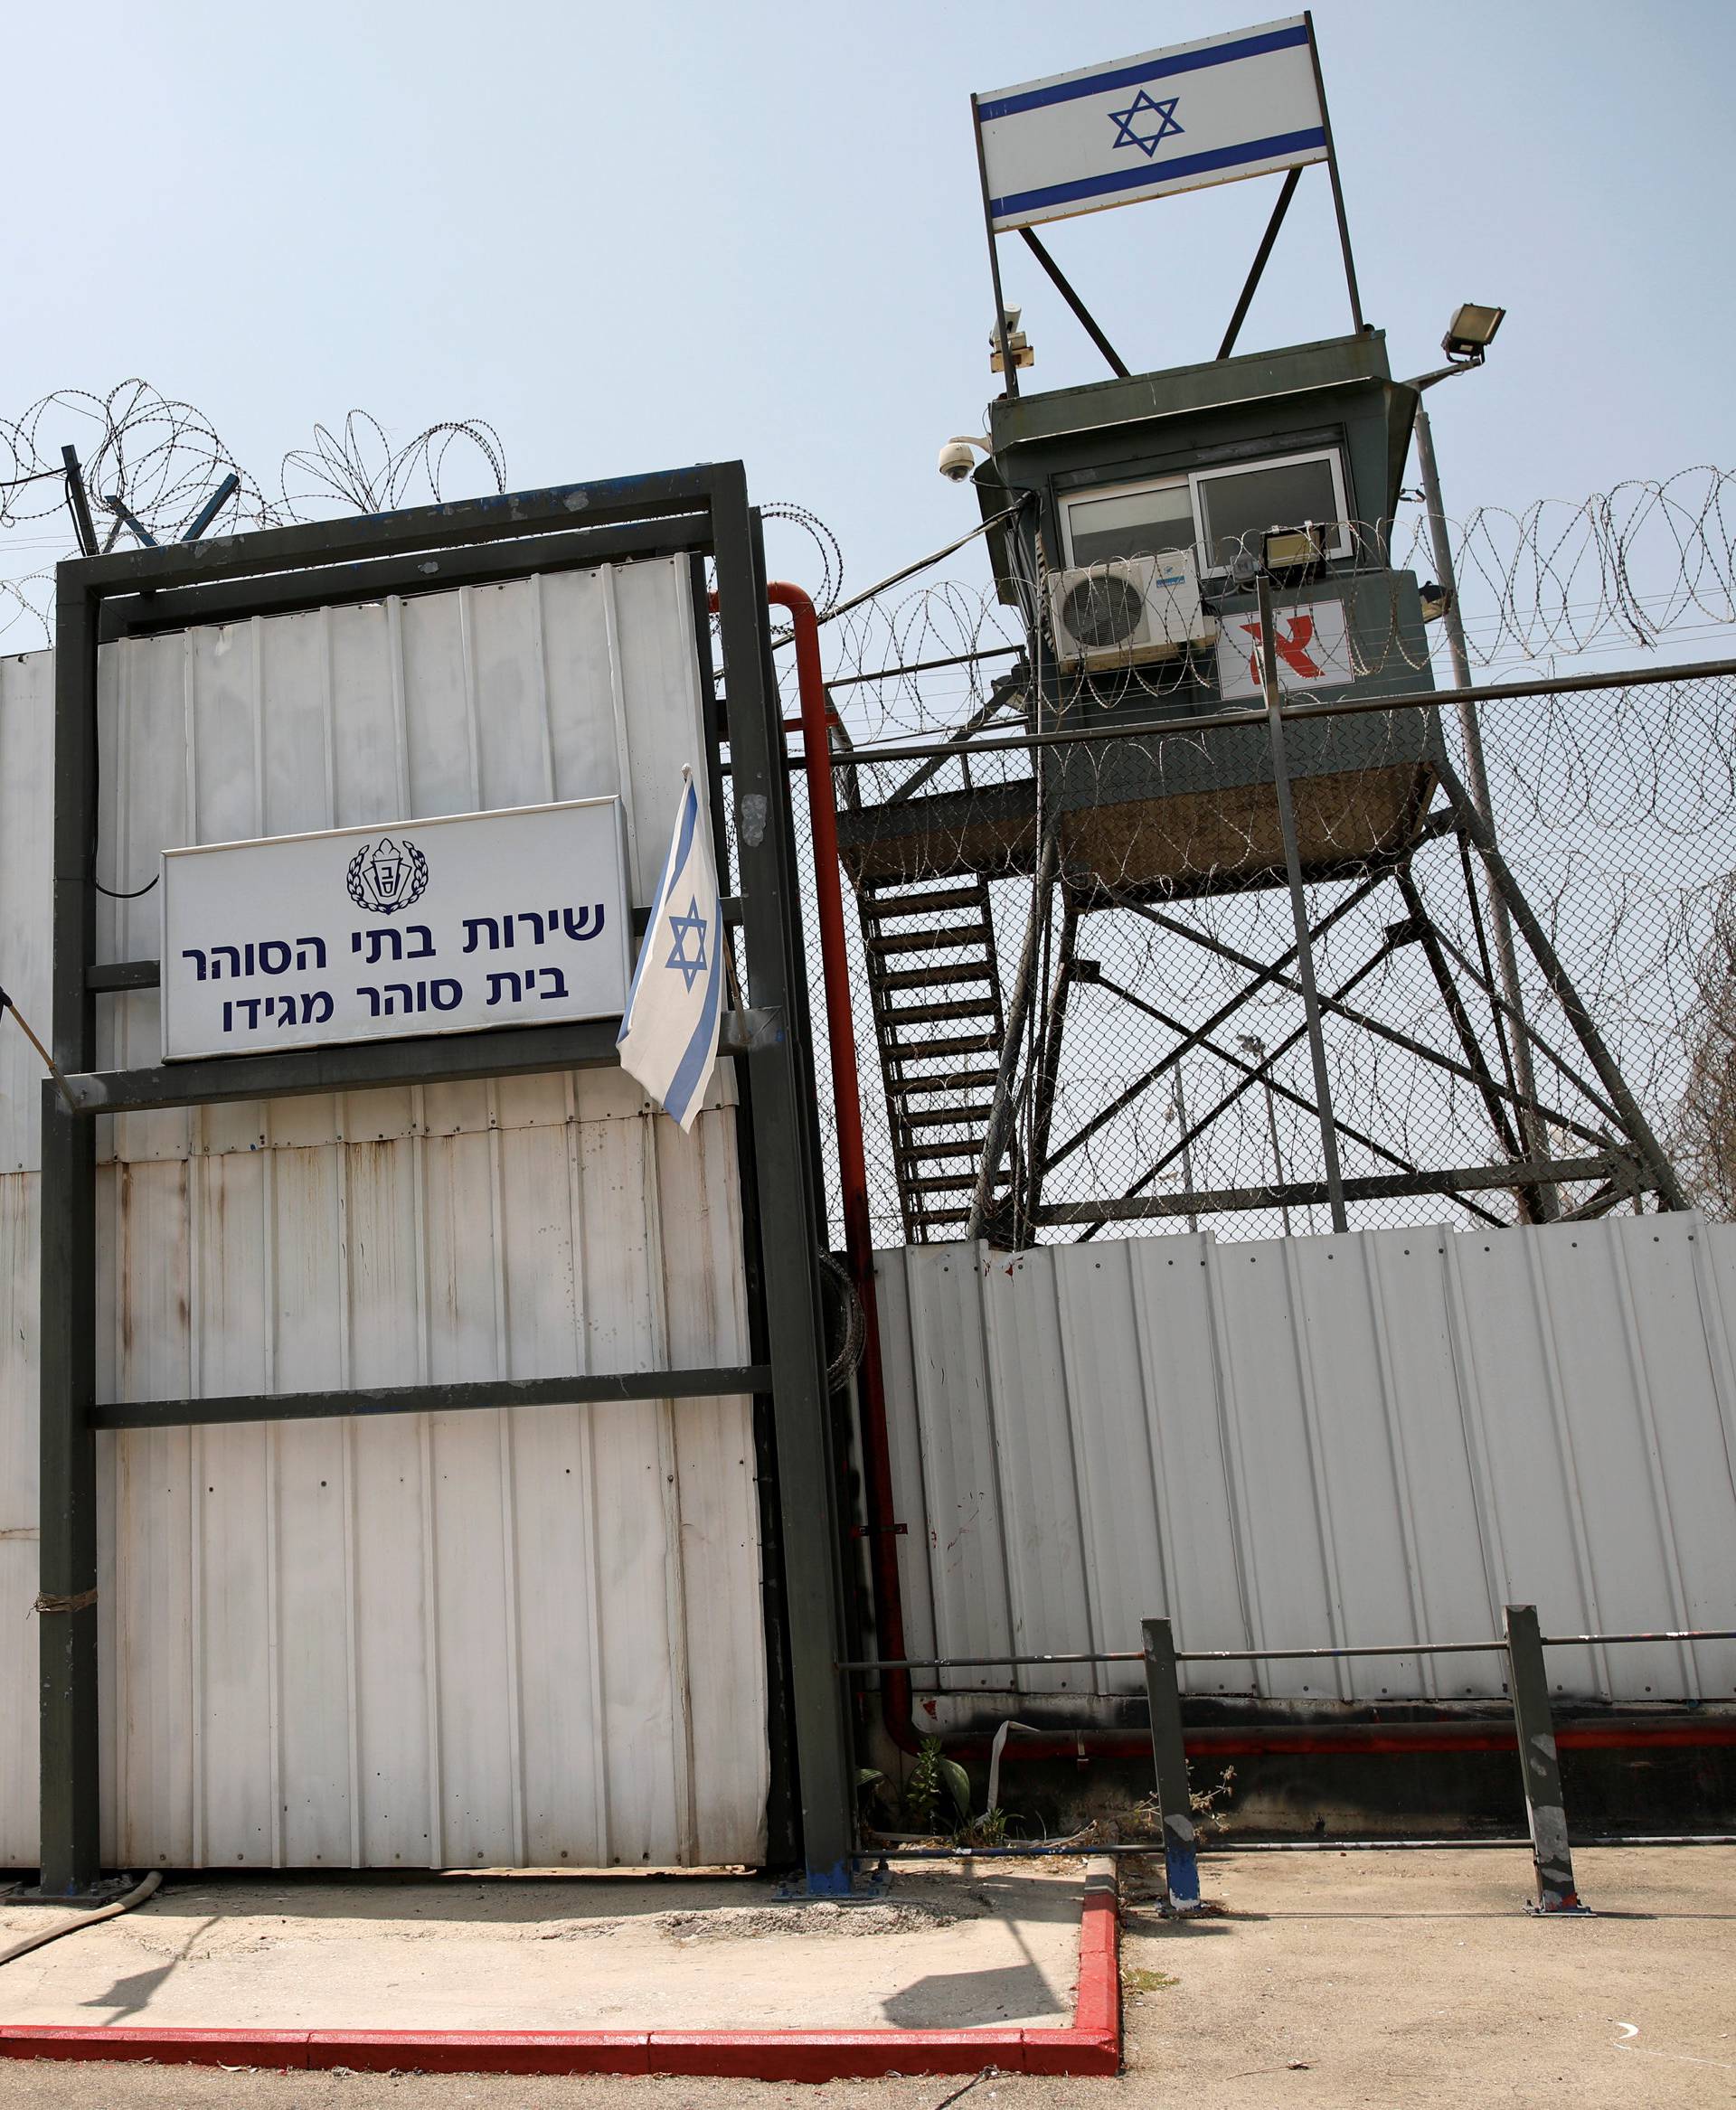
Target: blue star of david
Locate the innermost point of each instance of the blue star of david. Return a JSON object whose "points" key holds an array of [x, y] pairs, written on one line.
{"points": [[692, 925], [1147, 142]]}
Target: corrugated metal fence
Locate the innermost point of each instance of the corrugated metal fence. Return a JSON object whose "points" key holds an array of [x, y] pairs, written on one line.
{"points": [[501, 1637], [1375, 1438]]}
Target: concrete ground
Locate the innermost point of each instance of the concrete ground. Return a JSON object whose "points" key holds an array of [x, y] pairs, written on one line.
{"points": [[1326, 1979], [996, 1946]]}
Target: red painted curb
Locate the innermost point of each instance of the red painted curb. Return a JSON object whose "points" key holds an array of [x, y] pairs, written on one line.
{"points": [[1092, 2046], [268, 2048]]}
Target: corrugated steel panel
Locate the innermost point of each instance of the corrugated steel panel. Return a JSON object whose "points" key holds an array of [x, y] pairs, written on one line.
{"points": [[1384, 1437], [522, 1637]]}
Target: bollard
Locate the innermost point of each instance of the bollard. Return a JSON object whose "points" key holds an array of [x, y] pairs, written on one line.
{"points": [[1539, 1765], [1164, 1695]]}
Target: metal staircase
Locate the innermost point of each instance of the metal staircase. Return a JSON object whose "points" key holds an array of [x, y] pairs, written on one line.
{"points": [[937, 1021]]}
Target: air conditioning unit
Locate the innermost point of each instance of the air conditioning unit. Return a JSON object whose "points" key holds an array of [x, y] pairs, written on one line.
{"points": [[1128, 611]]}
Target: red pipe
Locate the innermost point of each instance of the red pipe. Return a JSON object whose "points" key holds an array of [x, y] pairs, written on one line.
{"points": [[1353, 1740], [852, 1161]]}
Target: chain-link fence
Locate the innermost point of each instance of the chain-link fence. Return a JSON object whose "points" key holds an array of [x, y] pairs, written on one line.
{"points": [[1076, 988]]}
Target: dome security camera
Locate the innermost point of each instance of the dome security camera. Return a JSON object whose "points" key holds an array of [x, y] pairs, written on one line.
{"points": [[956, 460]]}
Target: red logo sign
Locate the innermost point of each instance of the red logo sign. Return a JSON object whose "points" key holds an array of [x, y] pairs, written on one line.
{"points": [[1292, 650]]}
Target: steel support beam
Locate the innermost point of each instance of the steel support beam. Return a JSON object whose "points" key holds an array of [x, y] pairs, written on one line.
{"points": [[1579, 1016], [1088, 321], [1001, 1106], [1365, 1020], [66, 1614], [371, 1065], [1258, 269], [1298, 899], [1263, 973], [783, 1092], [1308, 1194], [1261, 1071], [590, 1388]]}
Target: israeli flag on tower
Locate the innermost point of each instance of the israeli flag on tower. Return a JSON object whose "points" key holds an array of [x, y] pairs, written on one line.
{"points": [[668, 1036]]}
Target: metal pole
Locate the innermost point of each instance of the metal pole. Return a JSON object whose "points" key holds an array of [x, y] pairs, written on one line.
{"points": [[1187, 1147], [1118, 366], [1261, 256], [1009, 372], [76, 497], [1532, 1126], [1540, 1767], [1298, 905], [66, 1613], [1169, 1761], [782, 1086], [1579, 1017], [1000, 1108], [1049, 1066], [1338, 191], [1256, 1047]]}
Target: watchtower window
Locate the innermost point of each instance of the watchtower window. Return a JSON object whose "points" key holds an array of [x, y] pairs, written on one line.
{"points": [[1215, 511], [1238, 506], [1140, 520]]}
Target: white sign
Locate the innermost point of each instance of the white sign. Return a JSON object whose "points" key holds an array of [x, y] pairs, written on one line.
{"points": [[510, 918], [1311, 641], [1175, 121]]}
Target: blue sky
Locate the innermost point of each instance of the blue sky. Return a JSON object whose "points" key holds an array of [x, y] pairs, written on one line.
{"points": [[631, 237]]}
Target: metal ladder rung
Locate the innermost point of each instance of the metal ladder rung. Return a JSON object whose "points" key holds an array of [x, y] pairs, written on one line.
{"points": [[930, 941], [925, 1153], [960, 1044], [931, 977], [962, 1081], [883, 905], [946, 1186], [922, 1014], [947, 1117]]}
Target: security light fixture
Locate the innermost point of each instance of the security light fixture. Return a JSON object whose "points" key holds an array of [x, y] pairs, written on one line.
{"points": [[1292, 549], [1017, 342], [1471, 332]]}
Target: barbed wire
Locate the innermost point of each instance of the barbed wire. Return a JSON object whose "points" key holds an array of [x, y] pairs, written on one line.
{"points": [[158, 461], [1627, 568]]}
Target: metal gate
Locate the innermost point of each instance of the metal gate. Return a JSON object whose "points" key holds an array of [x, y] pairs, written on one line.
{"points": [[427, 1528]]}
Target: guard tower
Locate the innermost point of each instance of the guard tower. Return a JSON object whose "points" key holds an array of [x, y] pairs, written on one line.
{"points": [[1186, 774]]}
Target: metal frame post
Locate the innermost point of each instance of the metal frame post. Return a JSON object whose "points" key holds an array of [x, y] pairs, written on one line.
{"points": [[687, 512], [759, 788], [1540, 1766], [1533, 1130], [1169, 1760], [66, 1604], [1337, 188], [1298, 904], [1579, 1016], [1009, 372], [1000, 1110]]}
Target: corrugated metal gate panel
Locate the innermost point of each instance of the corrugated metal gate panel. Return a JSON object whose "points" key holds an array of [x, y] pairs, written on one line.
{"points": [[525, 1637], [1300, 1443]]}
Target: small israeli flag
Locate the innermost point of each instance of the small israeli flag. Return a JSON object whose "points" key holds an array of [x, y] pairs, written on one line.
{"points": [[668, 1036]]}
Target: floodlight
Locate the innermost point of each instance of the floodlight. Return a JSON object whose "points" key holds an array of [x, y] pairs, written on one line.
{"points": [[1471, 330], [1017, 344], [1292, 549]]}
